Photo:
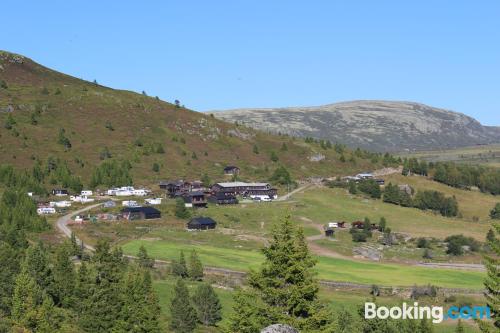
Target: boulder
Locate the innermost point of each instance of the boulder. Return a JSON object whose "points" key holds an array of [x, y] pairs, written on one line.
{"points": [[279, 328]]}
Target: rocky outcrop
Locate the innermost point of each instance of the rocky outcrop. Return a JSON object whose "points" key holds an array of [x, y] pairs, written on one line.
{"points": [[373, 125]]}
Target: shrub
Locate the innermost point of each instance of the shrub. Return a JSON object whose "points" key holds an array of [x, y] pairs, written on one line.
{"points": [[423, 243], [495, 212]]}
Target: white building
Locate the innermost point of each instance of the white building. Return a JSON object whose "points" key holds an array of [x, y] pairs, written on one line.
{"points": [[46, 210], [86, 193], [130, 203], [60, 204], [155, 201]]}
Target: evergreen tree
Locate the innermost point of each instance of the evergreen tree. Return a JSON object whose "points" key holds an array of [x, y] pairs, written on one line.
{"points": [[352, 187], [195, 269], [181, 210], [495, 212], [425, 327], [10, 259], [37, 265], [183, 314], [64, 278], [143, 258], [285, 284], [492, 281], [460, 327], [179, 268], [249, 313], [104, 304], [207, 305], [25, 301], [382, 224], [140, 310]]}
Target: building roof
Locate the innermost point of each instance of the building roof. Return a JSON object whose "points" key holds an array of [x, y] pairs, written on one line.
{"points": [[202, 221], [145, 210], [194, 194], [241, 184], [230, 167]]}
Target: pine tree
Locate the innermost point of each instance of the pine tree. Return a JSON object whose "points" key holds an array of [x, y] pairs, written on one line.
{"points": [[104, 303], [249, 313], [492, 281], [64, 278], [425, 327], [25, 301], [183, 314], [382, 224], [285, 283], [140, 310], [207, 305], [143, 258], [179, 268], [181, 210], [352, 187], [460, 327], [195, 269], [76, 249], [37, 265]]}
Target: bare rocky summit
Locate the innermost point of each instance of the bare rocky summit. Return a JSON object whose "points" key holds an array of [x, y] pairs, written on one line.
{"points": [[374, 125]]}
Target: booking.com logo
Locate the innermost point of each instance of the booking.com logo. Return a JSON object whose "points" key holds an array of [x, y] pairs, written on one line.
{"points": [[436, 313]]}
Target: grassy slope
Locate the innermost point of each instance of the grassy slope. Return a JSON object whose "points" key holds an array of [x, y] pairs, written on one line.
{"points": [[488, 155], [338, 300], [470, 203], [327, 268], [83, 109]]}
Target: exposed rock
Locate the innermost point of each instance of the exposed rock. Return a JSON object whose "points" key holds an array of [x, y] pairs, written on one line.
{"points": [[317, 158], [374, 125], [279, 328]]}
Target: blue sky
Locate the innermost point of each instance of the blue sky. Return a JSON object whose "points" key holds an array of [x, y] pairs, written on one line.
{"points": [[228, 54]]}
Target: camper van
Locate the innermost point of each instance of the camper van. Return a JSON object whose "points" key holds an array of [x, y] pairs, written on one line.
{"points": [[46, 210]]}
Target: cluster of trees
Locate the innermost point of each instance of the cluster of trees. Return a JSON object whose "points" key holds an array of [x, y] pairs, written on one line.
{"points": [[42, 290], [414, 166], [53, 172], [456, 244], [457, 175], [111, 173], [180, 209], [282, 176], [425, 200], [393, 194], [202, 307], [367, 186], [436, 201]]}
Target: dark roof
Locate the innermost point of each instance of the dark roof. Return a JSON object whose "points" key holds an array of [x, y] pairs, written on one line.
{"points": [[224, 195], [230, 167], [194, 194], [202, 221], [145, 210]]}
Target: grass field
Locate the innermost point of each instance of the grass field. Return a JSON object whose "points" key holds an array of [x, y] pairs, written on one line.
{"points": [[339, 300], [470, 203], [327, 268], [486, 155]]}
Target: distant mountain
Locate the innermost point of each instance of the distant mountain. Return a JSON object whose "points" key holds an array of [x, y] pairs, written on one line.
{"points": [[44, 113], [374, 125]]}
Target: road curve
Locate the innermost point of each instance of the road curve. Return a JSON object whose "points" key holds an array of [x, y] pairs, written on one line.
{"points": [[62, 224]]}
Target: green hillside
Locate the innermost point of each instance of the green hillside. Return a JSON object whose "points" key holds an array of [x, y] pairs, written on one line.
{"points": [[43, 112]]}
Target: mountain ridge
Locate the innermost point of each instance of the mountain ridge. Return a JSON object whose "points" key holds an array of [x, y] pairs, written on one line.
{"points": [[47, 114], [371, 124]]}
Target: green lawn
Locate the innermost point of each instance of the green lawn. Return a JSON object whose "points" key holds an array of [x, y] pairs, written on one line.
{"points": [[327, 268]]}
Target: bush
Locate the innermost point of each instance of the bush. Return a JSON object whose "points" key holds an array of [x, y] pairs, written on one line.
{"points": [[359, 236], [423, 243], [456, 243], [495, 212], [370, 187]]}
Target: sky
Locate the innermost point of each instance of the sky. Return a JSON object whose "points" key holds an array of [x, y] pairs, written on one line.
{"points": [[228, 54]]}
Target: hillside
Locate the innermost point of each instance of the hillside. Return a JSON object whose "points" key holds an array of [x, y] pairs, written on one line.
{"points": [[373, 125], [44, 113]]}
